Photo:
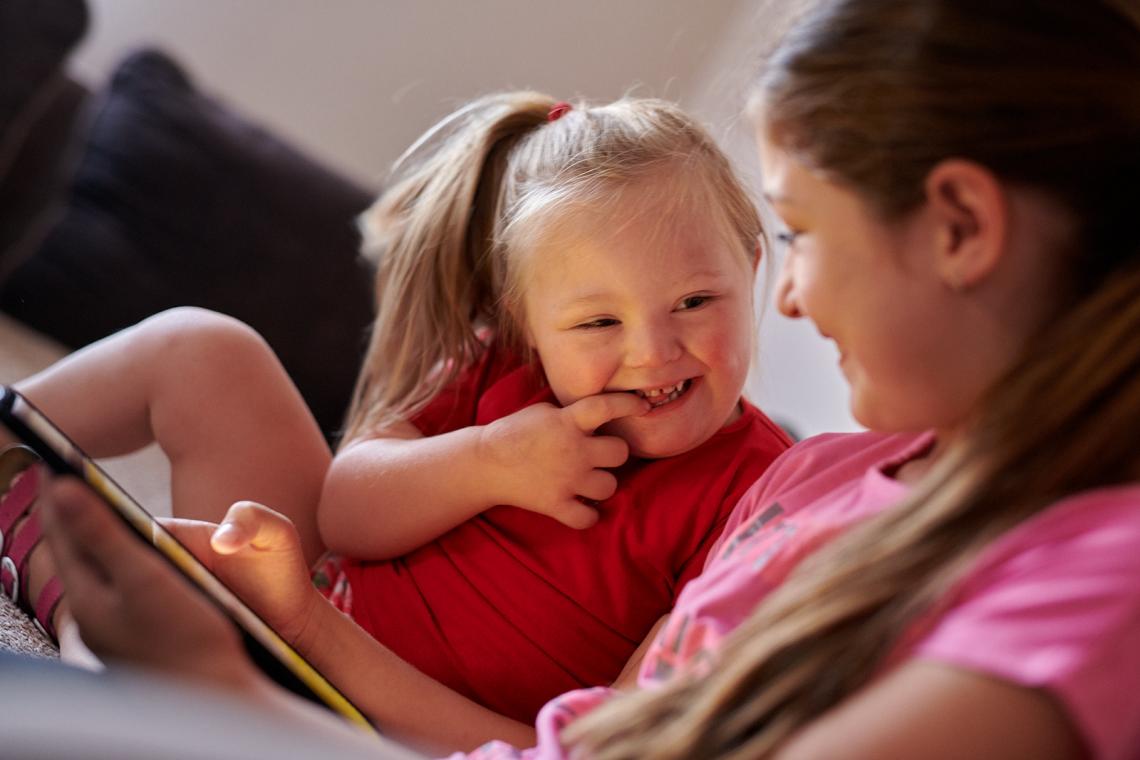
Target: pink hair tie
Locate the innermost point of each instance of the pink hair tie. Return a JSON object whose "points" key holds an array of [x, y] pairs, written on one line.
{"points": [[558, 110]]}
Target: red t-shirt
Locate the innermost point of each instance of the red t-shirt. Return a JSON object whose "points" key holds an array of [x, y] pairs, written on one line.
{"points": [[512, 608]]}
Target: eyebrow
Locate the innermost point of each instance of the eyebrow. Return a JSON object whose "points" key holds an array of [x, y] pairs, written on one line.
{"points": [[582, 300], [588, 298]]}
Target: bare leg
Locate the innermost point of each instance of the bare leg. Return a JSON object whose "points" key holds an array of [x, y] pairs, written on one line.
{"points": [[210, 391], [213, 395]]}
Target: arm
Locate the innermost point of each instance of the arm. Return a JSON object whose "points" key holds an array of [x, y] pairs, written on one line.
{"points": [[934, 711], [406, 704], [627, 679], [387, 495]]}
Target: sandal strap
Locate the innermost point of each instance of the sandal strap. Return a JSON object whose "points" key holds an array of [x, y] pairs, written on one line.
{"points": [[18, 554], [16, 550], [15, 504], [50, 596]]}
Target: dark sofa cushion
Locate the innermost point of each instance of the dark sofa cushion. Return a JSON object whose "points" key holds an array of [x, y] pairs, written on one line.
{"points": [[38, 106], [36, 37], [176, 200]]}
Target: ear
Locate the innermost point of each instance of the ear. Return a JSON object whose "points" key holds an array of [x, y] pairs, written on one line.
{"points": [[971, 214]]}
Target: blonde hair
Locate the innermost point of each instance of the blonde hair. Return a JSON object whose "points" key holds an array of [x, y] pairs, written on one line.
{"points": [[866, 92], [471, 195]]}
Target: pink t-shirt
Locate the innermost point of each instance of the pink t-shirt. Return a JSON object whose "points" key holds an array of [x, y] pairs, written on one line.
{"points": [[1056, 600]]}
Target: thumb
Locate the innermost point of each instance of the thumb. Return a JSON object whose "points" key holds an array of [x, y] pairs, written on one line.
{"points": [[591, 412], [248, 524]]}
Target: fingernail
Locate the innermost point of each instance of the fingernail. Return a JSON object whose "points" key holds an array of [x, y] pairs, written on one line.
{"points": [[227, 536]]}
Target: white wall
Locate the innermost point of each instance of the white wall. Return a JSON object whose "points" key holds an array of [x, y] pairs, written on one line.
{"points": [[797, 378], [353, 82]]}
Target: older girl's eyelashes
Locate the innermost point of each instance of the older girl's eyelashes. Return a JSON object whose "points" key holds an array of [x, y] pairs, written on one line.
{"points": [[787, 238]]}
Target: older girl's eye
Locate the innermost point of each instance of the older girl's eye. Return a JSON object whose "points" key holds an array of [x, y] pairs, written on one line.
{"points": [[693, 302], [787, 238]]}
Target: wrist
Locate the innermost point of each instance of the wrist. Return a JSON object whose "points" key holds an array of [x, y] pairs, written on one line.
{"points": [[312, 624], [496, 454]]}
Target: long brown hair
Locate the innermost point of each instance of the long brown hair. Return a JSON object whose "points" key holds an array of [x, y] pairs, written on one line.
{"points": [[466, 199], [875, 93]]}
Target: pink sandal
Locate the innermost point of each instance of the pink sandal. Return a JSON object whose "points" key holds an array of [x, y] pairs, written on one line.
{"points": [[22, 482]]}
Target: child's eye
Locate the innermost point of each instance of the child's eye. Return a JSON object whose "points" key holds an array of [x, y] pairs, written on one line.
{"points": [[594, 324], [693, 302]]}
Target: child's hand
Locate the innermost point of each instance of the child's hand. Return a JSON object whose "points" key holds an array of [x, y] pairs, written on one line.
{"points": [[257, 553], [547, 457]]}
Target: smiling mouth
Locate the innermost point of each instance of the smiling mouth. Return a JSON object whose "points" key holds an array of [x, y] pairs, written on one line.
{"points": [[662, 396]]}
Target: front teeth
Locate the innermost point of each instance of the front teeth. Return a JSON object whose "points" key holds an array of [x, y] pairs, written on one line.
{"points": [[661, 396]]}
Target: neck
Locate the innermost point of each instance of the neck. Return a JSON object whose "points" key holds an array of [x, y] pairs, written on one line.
{"points": [[913, 470]]}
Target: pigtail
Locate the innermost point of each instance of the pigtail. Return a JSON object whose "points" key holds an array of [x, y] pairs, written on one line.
{"points": [[437, 281], [485, 184]]}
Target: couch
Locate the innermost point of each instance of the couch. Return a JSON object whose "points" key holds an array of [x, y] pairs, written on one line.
{"points": [[146, 193]]}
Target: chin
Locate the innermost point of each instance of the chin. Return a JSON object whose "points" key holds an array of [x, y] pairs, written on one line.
{"points": [[644, 445]]}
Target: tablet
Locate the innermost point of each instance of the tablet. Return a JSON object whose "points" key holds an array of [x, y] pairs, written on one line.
{"points": [[29, 427]]}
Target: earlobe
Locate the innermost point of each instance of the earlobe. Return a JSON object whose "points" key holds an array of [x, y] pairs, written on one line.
{"points": [[971, 212]]}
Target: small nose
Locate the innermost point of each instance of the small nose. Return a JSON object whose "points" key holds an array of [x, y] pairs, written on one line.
{"points": [[786, 290], [653, 345]]}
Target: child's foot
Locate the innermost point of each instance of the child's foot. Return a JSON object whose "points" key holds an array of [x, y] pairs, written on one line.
{"points": [[20, 536]]}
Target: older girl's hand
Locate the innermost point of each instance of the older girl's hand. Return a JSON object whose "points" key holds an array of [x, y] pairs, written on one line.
{"points": [[130, 604], [257, 553]]}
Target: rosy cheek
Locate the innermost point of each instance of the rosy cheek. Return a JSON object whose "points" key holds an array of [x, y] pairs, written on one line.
{"points": [[575, 376], [730, 349]]}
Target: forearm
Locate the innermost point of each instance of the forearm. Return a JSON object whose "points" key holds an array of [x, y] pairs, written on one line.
{"points": [[404, 703], [384, 497]]}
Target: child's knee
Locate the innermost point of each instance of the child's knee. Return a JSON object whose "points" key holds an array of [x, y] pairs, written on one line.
{"points": [[192, 338]]}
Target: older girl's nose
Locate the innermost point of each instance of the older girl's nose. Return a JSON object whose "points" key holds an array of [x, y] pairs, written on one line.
{"points": [[786, 290]]}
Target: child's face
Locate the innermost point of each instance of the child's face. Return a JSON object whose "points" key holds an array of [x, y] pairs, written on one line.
{"points": [[872, 289], [658, 306]]}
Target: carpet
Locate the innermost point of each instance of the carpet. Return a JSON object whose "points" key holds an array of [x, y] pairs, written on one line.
{"points": [[19, 634]]}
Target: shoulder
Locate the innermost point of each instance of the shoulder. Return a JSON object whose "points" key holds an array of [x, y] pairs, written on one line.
{"points": [[1057, 601], [457, 405], [820, 464], [759, 427], [743, 448]]}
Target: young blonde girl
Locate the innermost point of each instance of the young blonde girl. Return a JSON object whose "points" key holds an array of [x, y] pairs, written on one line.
{"points": [[963, 580], [564, 327]]}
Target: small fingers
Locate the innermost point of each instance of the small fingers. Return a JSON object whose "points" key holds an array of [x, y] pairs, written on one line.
{"points": [[598, 485], [575, 514], [607, 451], [100, 563], [69, 531], [89, 535], [591, 412]]}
